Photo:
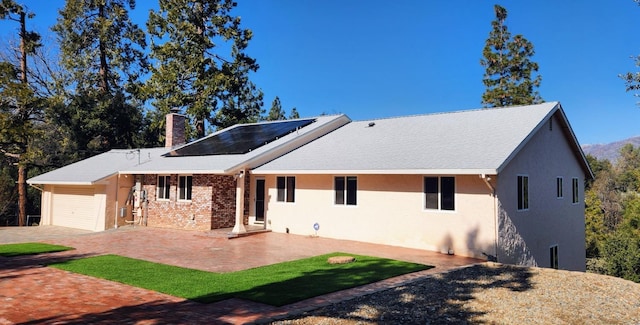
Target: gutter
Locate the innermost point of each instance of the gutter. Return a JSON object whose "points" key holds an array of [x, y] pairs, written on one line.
{"points": [[487, 181]]}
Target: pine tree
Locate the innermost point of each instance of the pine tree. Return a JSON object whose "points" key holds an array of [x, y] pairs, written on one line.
{"points": [[294, 114], [276, 112], [103, 53], [192, 73], [632, 79], [19, 107], [509, 69]]}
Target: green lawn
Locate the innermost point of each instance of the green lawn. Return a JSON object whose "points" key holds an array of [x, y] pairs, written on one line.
{"points": [[277, 284], [30, 249]]}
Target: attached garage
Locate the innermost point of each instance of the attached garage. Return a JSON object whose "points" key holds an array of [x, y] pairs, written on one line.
{"points": [[77, 207]]}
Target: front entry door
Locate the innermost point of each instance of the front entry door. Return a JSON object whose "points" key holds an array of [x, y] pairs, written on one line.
{"points": [[260, 200]]}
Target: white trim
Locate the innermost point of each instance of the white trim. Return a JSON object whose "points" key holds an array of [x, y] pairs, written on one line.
{"points": [[443, 172]]}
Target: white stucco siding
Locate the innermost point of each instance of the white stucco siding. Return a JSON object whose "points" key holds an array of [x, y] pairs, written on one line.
{"points": [[525, 237], [390, 210]]}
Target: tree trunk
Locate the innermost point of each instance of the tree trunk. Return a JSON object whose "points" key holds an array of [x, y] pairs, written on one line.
{"points": [[22, 171], [104, 68], [22, 195]]}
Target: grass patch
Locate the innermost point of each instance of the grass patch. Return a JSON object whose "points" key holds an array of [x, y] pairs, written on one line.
{"points": [[277, 285], [9, 250]]}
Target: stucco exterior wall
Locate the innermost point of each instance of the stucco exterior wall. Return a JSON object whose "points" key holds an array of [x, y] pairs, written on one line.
{"points": [[212, 205], [525, 237], [390, 210]]}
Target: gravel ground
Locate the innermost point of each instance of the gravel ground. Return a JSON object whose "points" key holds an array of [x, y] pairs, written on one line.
{"points": [[491, 294]]}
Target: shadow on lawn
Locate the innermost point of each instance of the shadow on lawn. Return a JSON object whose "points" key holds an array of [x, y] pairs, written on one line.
{"points": [[442, 296], [22, 261], [321, 281]]}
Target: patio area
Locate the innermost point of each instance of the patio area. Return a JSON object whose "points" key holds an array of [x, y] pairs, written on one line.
{"points": [[34, 294]]}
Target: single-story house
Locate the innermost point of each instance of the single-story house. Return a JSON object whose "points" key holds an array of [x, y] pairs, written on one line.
{"points": [[505, 184]]}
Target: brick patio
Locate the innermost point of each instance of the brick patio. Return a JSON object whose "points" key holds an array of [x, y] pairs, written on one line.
{"points": [[34, 294]]}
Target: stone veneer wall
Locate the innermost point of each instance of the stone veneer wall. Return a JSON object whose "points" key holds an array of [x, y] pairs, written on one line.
{"points": [[212, 205]]}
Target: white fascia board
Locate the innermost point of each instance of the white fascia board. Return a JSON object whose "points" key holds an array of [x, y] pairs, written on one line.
{"points": [[172, 171], [60, 183], [292, 144], [379, 172]]}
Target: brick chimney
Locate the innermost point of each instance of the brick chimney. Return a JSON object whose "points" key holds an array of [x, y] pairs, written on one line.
{"points": [[175, 130]]}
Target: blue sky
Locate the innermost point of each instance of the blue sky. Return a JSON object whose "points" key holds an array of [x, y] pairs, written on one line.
{"points": [[375, 58]]}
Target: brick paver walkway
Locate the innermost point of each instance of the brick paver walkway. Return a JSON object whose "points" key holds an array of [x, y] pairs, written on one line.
{"points": [[33, 294]]}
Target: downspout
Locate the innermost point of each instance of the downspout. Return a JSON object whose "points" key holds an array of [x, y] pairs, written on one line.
{"points": [[115, 219], [487, 180]]}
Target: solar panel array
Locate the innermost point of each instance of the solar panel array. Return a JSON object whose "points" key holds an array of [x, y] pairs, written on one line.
{"points": [[240, 139]]}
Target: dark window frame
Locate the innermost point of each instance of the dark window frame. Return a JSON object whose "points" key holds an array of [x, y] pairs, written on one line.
{"points": [[163, 187], [345, 190], [559, 187], [439, 193], [286, 189], [523, 192], [575, 198], [553, 257], [185, 187]]}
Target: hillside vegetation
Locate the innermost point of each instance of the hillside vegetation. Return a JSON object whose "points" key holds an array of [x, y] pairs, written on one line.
{"points": [[609, 151], [612, 215]]}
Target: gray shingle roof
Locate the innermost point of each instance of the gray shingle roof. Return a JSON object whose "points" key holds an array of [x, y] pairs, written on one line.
{"points": [[94, 169], [465, 142]]}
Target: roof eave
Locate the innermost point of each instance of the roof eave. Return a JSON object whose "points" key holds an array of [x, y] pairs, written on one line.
{"points": [[486, 171]]}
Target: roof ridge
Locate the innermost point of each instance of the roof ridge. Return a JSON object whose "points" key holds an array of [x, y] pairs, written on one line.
{"points": [[453, 112]]}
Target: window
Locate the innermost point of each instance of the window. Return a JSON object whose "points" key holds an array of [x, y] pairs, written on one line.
{"points": [[185, 184], [523, 192], [575, 190], [559, 188], [164, 185], [346, 188], [286, 188], [439, 193], [553, 254]]}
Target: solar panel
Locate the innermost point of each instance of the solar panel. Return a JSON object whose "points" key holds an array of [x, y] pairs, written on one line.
{"points": [[240, 139]]}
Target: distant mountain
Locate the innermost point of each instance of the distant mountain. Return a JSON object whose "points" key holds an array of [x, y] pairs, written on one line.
{"points": [[610, 151]]}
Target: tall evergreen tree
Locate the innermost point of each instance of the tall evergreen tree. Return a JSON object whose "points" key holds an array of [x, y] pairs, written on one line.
{"points": [[507, 60], [294, 114], [190, 72], [632, 79], [276, 112], [103, 52], [19, 107]]}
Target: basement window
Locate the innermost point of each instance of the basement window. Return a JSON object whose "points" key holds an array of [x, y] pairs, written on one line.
{"points": [[553, 255]]}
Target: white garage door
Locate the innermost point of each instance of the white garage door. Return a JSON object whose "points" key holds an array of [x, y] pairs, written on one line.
{"points": [[74, 207]]}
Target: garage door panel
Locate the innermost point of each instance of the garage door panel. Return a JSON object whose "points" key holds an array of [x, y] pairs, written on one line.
{"points": [[74, 207]]}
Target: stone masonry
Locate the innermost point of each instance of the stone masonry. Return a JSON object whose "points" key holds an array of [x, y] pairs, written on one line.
{"points": [[212, 204]]}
